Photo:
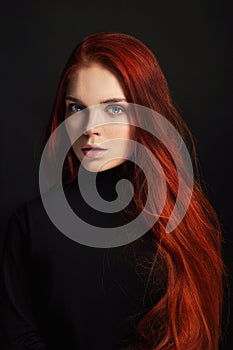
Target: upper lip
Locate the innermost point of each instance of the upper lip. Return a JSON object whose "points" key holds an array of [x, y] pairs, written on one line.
{"points": [[95, 145]]}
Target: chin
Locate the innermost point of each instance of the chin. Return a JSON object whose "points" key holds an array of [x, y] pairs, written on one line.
{"points": [[98, 167]]}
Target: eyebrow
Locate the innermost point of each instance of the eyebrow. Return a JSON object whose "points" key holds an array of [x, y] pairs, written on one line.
{"points": [[110, 100]]}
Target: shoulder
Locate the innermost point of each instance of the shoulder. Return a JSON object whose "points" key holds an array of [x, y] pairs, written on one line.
{"points": [[35, 207], [33, 218]]}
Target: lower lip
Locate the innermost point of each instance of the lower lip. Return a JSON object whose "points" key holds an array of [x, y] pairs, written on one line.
{"points": [[94, 153]]}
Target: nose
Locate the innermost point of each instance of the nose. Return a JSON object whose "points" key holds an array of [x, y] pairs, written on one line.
{"points": [[93, 122]]}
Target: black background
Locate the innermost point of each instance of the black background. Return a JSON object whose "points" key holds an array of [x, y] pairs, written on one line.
{"points": [[192, 41]]}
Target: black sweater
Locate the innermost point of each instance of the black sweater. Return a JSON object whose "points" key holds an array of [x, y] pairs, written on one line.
{"points": [[61, 294]]}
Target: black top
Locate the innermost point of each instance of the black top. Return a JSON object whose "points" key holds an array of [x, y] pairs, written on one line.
{"points": [[61, 294]]}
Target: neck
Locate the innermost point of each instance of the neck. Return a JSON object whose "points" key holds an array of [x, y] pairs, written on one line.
{"points": [[106, 180]]}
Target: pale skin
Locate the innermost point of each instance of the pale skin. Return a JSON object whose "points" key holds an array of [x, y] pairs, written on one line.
{"points": [[91, 86]]}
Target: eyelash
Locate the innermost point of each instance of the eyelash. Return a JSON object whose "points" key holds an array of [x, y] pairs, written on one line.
{"points": [[72, 105], [115, 106]]}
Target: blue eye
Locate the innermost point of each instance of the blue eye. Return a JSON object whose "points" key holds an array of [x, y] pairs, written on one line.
{"points": [[115, 110], [75, 108]]}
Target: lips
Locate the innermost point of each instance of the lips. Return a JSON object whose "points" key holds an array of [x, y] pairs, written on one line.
{"points": [[92, 146], [93, 151]]}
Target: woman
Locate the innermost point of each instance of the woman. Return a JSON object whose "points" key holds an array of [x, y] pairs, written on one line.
{"points": [[160, 291]]}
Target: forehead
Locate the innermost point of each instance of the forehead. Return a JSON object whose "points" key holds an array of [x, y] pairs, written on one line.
{"points": [[94, 84]]}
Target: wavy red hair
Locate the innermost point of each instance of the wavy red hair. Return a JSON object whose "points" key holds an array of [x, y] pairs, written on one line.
{"points": [[188, 316]]}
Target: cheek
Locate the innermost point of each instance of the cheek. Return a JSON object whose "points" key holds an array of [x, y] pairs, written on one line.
{"points": [[126, 132], [76, 147], [76, 144], [132, 132], [121, 131]]}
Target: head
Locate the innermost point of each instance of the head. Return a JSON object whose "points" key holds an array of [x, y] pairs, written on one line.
{"points": [[118, 68]]}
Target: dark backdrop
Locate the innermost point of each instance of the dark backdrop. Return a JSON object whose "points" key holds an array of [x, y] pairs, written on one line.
{"points": [[191, 40]]}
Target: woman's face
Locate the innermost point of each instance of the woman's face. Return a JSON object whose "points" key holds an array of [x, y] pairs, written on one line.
{"points": [[95, 85]]}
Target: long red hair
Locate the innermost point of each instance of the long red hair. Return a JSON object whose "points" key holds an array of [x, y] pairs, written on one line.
{"points": [[188, 316]]}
